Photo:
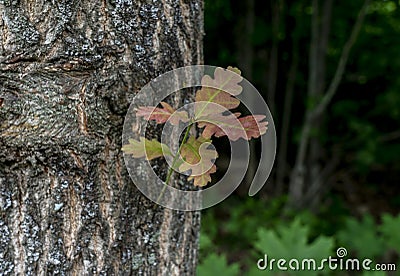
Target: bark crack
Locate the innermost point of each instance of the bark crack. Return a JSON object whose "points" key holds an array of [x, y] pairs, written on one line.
{"points": [[82, 117]]}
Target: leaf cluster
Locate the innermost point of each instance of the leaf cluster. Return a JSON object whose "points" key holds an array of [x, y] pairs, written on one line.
{"points": [[212, 101]]}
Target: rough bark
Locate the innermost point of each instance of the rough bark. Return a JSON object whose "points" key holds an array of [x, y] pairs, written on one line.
{"points": [[68, 70]]}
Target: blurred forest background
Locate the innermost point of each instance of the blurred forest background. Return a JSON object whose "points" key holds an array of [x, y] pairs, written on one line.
{"points": [[329, 73]]}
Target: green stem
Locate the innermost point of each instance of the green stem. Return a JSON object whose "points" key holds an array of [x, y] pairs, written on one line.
{"points": [[171, 169]]}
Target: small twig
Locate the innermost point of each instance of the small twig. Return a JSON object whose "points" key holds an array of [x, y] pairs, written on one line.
{"points": [[342, 63], [297, 177], [171, 169]]}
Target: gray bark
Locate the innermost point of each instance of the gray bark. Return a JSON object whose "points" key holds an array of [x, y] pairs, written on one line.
{"points": [[68, 70]]}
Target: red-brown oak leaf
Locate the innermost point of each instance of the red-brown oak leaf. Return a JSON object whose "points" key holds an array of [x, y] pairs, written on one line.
{"points": [[198, 158], [162, 115], [218, 91], [251, 126], [204, 179]]}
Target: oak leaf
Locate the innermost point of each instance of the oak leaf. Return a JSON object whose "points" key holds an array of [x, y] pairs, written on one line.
{"points": [[202, 180], [149, 149], [225, 79], [251, 126], [161, 115], [218, 91], [254, 125], [198, 158]]}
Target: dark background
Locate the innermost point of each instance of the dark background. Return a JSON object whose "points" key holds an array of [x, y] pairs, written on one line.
{"points": [[291, 51]]}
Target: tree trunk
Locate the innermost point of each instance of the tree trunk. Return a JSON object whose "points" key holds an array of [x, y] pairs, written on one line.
{"points": [[272, 75], [281, 166], [68, 70], [245, 61], [306, 180]]}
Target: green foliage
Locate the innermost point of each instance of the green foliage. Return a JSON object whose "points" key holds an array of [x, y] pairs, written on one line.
{"points": [[389, 103], [374, 273], [215, 264], [292, 242], [366, 239], [254, 271], [294, 234], [360, 126], [362, 237], [390, 231], [250, 214], [206, 243]]}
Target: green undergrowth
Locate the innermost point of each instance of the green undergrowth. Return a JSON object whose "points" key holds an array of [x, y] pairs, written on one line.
{"points": [[236, 235]]}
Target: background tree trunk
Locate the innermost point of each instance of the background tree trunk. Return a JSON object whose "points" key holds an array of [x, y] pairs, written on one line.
{"points": [[67, 74], [306, 181]]}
